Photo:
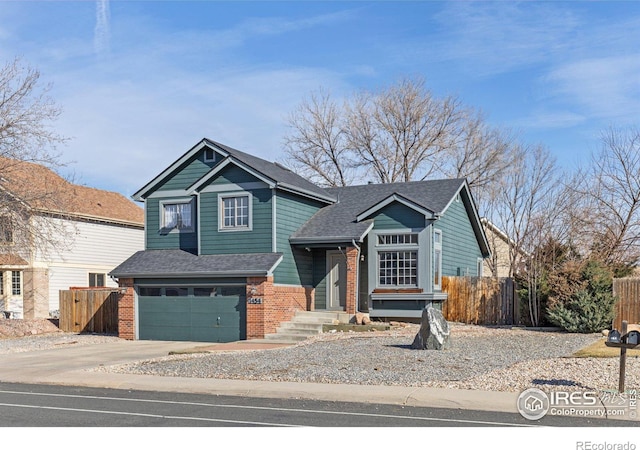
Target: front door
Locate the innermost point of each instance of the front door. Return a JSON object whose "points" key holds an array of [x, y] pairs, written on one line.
{"points": [[337, 289]]}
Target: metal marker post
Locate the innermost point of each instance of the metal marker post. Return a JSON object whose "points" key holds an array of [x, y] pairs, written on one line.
{"points": [[623, 358]]}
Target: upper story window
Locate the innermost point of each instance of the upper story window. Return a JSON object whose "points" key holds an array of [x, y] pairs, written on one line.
{"points": [[209, 155], [177, 215], [235, 212], [6, 230]]}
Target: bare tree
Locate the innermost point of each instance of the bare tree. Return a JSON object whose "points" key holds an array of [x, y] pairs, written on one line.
{"points": [[26, 115], [395, 134], [524, 205], [477, 152], [611, 188], [316, 146], [399, 132], [28, 141]]}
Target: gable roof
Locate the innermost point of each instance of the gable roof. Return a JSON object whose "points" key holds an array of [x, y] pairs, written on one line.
{"points": [[273, 174], [339, 221], [41, 189]]}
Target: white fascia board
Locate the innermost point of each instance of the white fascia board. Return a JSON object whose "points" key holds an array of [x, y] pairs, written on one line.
{"points": [[394, 198], [453, 197], [476, 216], [206, 177], [216, 170], [322, 240], [366, 232], [174, 193], [296, 190], [275, 265], [139, 195]]}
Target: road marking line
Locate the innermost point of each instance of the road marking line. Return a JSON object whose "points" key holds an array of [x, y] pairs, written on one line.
{"points": [[266, 408], [157, 416]]}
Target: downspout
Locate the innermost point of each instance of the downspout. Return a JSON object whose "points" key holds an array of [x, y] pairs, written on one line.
{"points": [[353, 241]]}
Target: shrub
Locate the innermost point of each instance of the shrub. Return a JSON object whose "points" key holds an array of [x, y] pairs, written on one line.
{"points": [[586, 312], [589, 309]]}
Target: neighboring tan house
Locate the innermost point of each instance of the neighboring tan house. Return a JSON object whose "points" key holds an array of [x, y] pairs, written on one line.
{"points": [[499, 264], [55, 235], [236, 244]]}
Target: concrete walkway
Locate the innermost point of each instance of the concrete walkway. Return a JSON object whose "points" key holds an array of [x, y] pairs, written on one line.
{"points": [[75, 366]]}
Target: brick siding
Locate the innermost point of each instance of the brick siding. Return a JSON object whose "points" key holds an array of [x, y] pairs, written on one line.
{"points": [[126, 313], [279, 304]]}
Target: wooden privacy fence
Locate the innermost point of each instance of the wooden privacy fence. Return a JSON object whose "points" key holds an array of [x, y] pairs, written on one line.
{"points": [[481, 300], [89, 311], [628, 305]]}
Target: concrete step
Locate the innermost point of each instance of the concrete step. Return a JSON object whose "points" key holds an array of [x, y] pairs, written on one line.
{"points": [[321, 316], [306, 324], [303, 326], [285, 337]]}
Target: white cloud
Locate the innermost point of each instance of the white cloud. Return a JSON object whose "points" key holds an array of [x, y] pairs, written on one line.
{"points": [[125, 133], [102, 29], [549, 119], [498, 37], [132, 111], [606, 87]]}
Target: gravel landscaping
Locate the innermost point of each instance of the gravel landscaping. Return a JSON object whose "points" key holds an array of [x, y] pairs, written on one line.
{"points": [[482, 358]]}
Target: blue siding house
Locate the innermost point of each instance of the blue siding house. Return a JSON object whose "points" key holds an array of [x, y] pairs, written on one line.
{"points": [[235, 245]]}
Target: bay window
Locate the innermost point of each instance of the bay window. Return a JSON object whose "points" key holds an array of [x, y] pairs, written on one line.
{"points": [[397, 260]]}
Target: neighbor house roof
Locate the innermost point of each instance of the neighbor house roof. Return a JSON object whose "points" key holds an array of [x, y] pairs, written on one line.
{"points": [[42, 189], [10, 259], [338, 222], [179, 263]]}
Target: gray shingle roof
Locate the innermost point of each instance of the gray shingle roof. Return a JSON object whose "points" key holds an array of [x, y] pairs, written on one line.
{"points": [[277, 173], [338, 221], [178, 263]]}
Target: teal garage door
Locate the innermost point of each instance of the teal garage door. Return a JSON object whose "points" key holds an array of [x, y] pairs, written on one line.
{"points": [[201, 314]]}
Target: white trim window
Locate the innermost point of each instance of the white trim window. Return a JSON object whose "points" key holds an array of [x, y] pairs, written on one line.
{"points": [[177, 215], [437, 259], [97, 280], [235, 212], [16, 282], [398, 260]]}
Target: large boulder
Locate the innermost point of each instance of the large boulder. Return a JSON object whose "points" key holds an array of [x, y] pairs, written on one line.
{"points": [[434, 331]]}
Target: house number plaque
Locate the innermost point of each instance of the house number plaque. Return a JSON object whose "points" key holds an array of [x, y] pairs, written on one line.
{"points": [[255, 301]]}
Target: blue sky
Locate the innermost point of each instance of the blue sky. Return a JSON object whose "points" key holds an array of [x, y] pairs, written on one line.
{"points": [[141, 82]]}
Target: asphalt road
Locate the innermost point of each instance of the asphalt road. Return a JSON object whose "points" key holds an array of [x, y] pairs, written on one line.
{"points": [[24, 405]]}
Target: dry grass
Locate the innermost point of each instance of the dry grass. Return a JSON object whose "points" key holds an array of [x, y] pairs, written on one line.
{"points": [[599, 350]]}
